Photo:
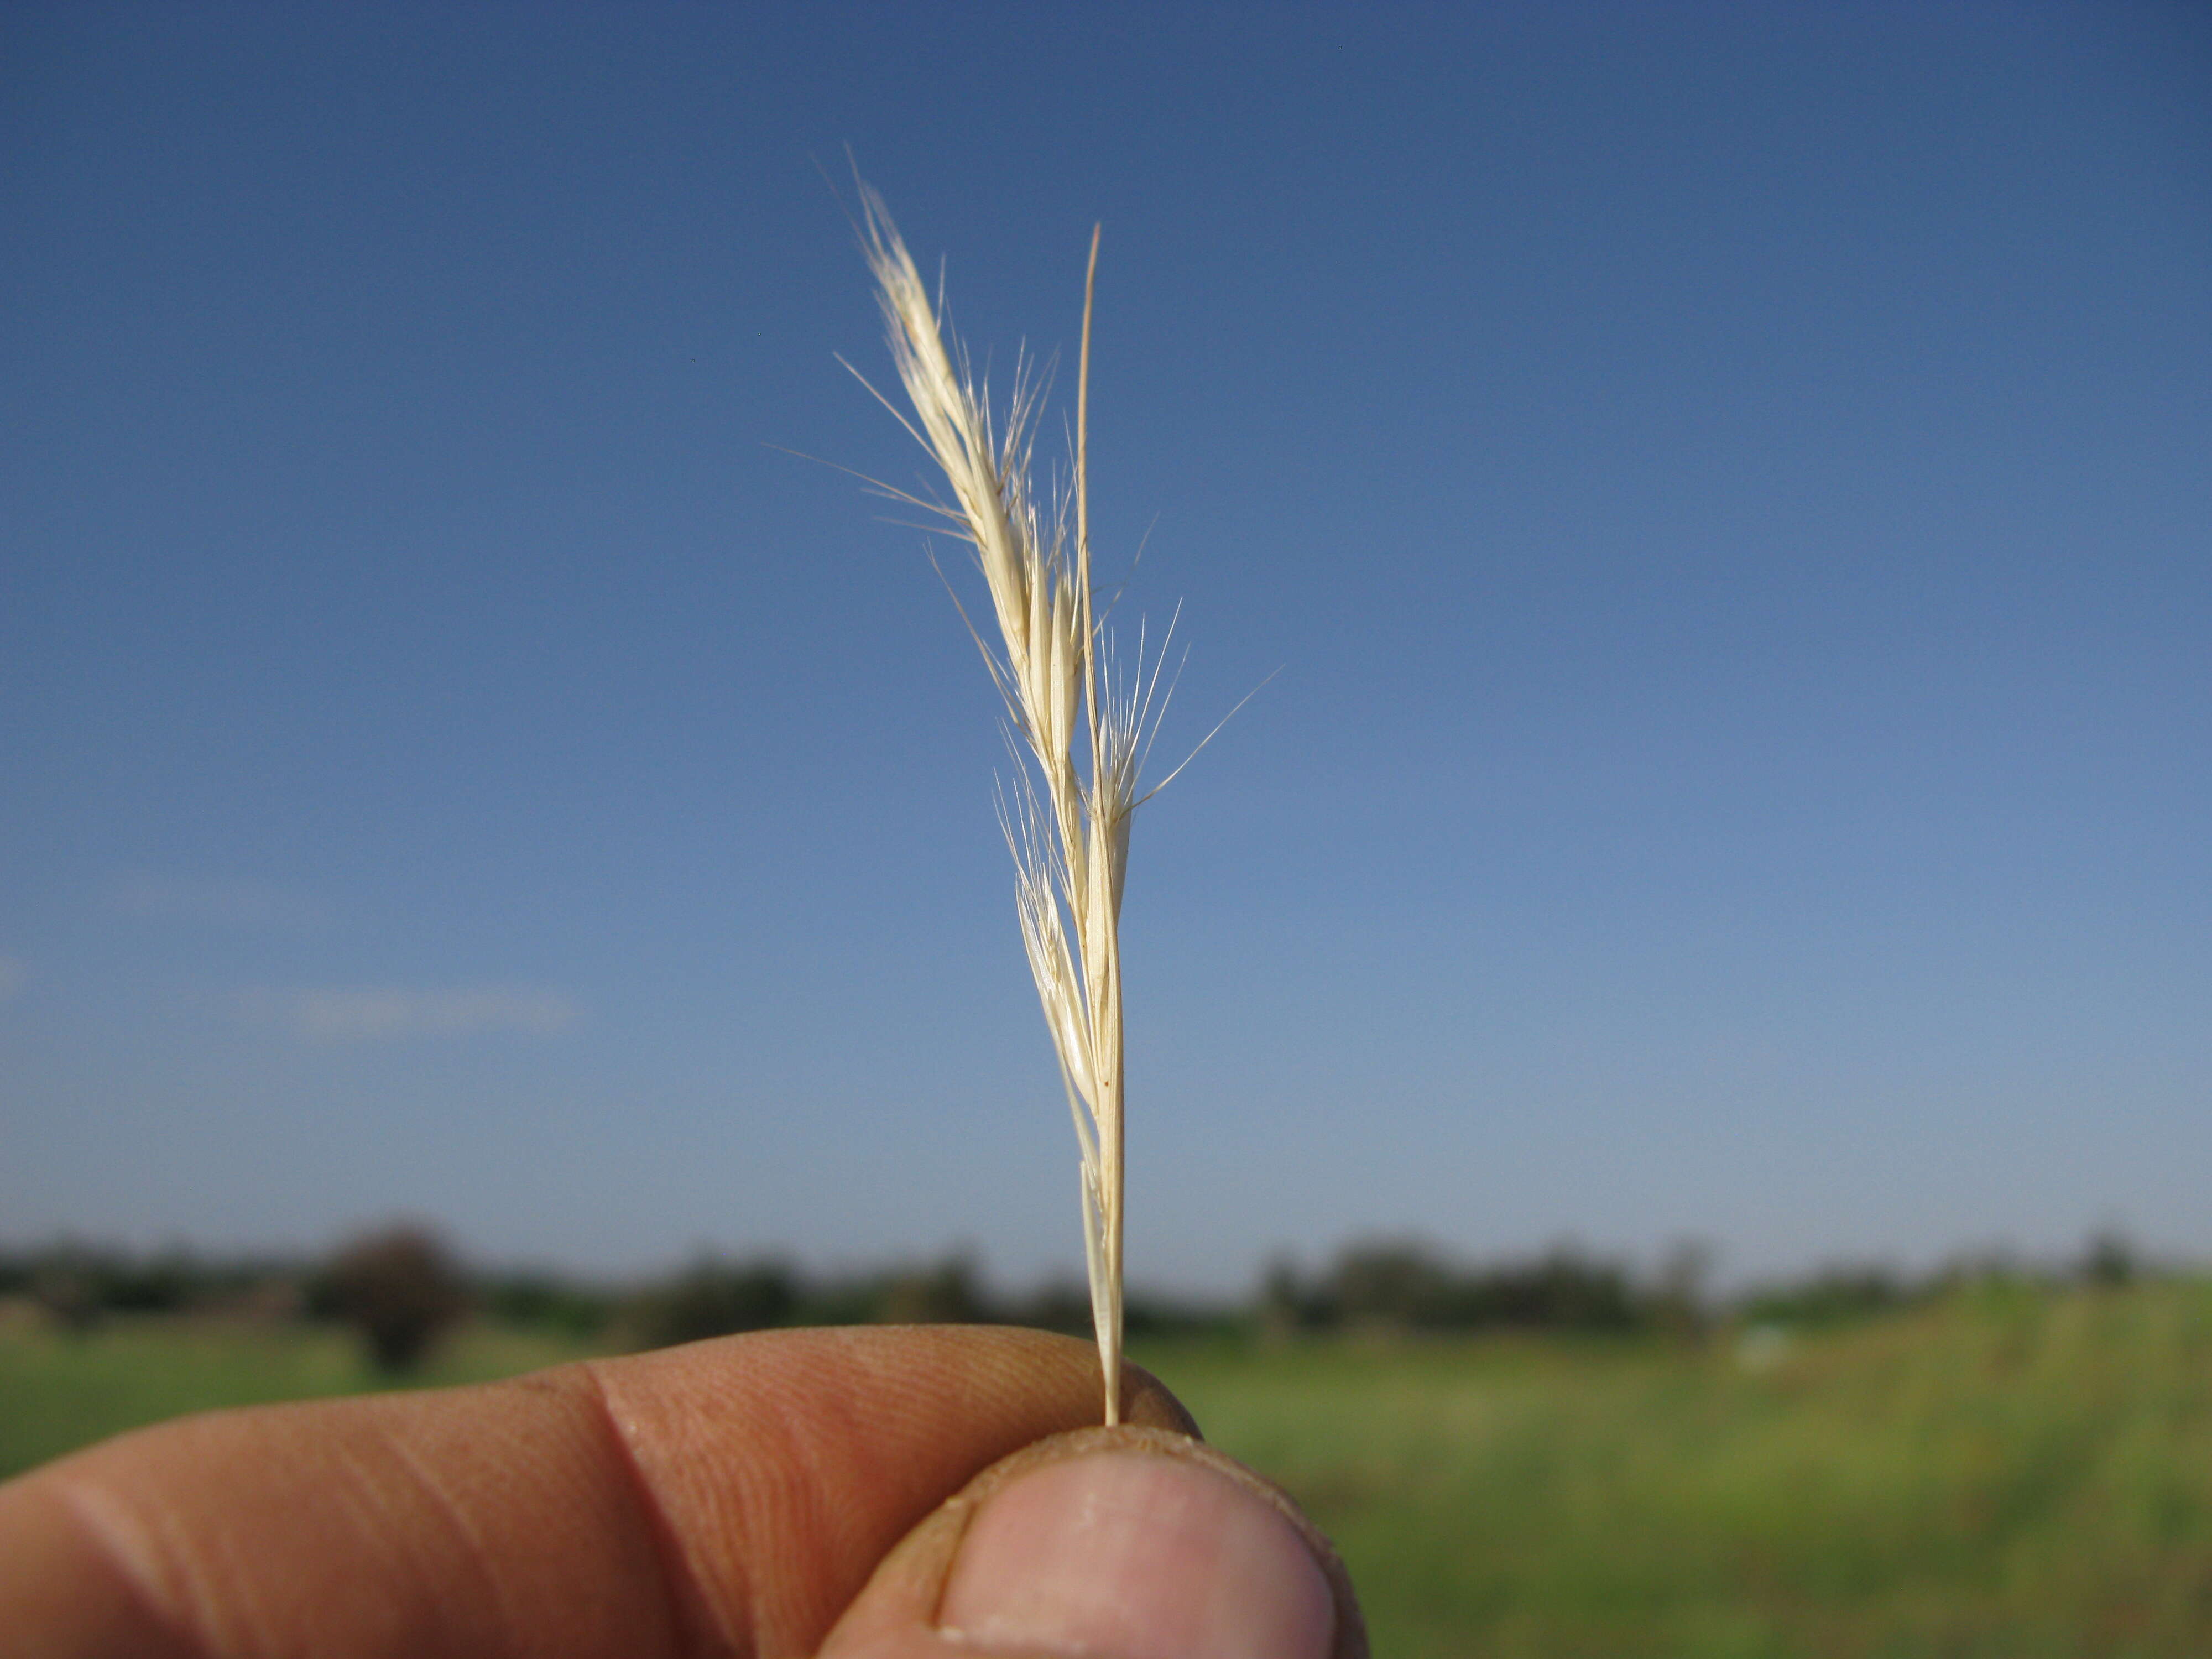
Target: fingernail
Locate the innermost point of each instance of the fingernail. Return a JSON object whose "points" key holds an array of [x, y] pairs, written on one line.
{"points": [[1131, 1555]]}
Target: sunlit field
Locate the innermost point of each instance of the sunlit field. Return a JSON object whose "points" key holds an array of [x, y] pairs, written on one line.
{"points": [[59, 1391], [2013, 1471]]}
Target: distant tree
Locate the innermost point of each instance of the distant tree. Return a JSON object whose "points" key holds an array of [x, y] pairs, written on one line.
{"points": [[1567, 1292], [1061, 1305], [68, 1285], [1392, 1283], [1286, 1303], [944, 1294], [713, 1298], [167, 1284], [1833, 1295], [2109, 1260], [1677, 1302], [400, 1289], [1395, 1285]]}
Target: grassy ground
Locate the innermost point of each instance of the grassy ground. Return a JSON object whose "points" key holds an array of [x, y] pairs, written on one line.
{"points": [[59, 1391], [2014, 1472]]}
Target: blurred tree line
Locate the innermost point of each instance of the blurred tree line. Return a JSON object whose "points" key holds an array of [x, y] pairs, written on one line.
{"points": [[400, 1289], [1406, 1286]]}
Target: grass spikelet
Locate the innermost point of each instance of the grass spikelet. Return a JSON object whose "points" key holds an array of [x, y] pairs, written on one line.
{"points": [[1079, 728]]}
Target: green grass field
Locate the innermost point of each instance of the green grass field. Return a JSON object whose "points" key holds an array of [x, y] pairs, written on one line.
{"points": [[2013, 1472], [60, 1392]]}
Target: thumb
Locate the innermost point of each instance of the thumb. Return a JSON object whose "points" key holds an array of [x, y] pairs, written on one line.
{"points": [[1122, 1543]]}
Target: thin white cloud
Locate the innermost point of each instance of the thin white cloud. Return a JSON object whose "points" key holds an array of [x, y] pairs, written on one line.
{"points": [[12, 975], [352, 1015], [213, 901]]}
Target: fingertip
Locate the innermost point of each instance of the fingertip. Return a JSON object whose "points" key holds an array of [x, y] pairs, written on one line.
{"points": [[1125, 1543], [1148, 1403]]}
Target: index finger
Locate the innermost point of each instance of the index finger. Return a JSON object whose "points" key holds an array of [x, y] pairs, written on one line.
{"points": [[730, 1497]]}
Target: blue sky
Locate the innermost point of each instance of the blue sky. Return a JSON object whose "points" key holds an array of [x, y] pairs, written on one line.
{"points": [[1727, 489]]}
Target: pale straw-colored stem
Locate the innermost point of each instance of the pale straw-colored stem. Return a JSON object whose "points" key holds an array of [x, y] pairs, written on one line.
{"points": [[1106, 1017]]}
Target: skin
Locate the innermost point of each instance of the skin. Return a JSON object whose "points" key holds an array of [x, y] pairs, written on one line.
{"points": [[729, 1497]]}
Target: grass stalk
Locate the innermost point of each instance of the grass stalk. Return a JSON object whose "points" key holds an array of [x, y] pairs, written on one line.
{"points": [[1079, 729]]}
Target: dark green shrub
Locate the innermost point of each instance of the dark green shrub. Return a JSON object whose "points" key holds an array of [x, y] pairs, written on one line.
{"points": [[399, 1289]]}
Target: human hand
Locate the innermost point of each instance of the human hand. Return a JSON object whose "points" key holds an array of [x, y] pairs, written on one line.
{"points": [[768, 1496]]}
